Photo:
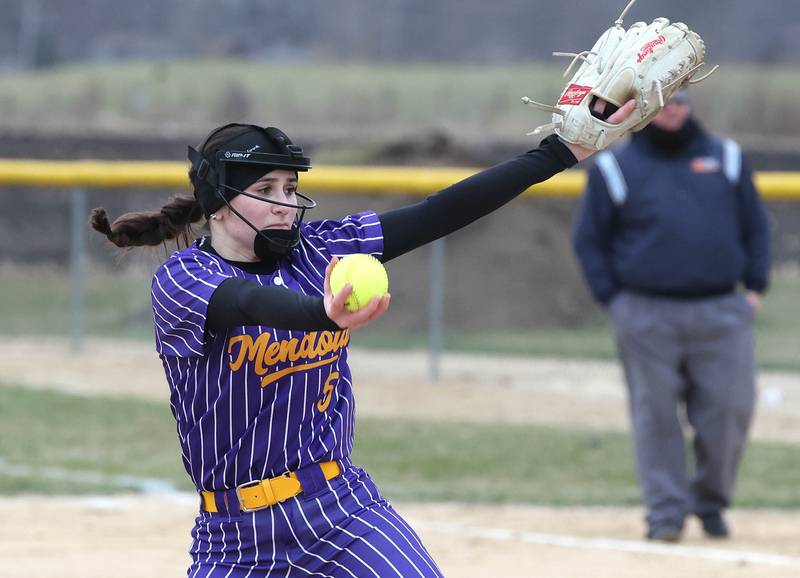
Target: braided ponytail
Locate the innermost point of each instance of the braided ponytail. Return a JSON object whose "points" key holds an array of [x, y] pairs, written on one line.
{"points": [[174, 220], [139, 229]]}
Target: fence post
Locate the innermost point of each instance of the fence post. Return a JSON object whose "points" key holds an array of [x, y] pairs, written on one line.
{"points": [[436, 316], [77, 266]]}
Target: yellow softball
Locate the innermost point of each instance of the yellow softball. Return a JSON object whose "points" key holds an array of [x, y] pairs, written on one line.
{"points": [[367, 276]]}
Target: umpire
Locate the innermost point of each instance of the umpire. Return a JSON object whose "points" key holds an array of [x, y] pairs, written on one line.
{"points": [[669, 228]]}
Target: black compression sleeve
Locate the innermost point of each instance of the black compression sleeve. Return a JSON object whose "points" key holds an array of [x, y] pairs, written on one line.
{"points": [[239, 302], [459, 205]]}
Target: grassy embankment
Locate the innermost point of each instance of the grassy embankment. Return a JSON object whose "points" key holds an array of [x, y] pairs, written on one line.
{"points": [[56, 443]]}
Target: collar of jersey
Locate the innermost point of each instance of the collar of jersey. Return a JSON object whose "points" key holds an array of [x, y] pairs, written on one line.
{"points": [[254, 267]]}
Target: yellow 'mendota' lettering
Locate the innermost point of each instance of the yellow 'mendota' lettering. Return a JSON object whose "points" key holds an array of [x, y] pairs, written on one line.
{"points": [[272, 355], [251, 350], [267, 354], [341, 339], [325, 343], [307, 346], [288, 350], [267, 379]]}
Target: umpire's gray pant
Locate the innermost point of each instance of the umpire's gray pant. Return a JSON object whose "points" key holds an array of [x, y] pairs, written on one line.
{"points": [[699, 352]]}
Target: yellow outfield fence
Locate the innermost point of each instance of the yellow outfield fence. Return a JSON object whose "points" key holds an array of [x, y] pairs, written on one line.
{"points": [[80, 175], [328, 178]]}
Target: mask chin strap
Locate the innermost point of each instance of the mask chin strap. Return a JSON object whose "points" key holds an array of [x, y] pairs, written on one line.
{"points": [[271, 243]]}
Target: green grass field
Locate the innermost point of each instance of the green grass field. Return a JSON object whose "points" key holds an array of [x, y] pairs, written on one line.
{"points": [[91, 441], [327, 98], [37, 303]]}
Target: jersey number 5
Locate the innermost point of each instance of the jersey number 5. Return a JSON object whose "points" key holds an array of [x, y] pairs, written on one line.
{"points": [[327, 392]]}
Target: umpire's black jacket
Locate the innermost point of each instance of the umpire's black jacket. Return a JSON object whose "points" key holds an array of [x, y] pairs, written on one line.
{"points": [[685, 224]]}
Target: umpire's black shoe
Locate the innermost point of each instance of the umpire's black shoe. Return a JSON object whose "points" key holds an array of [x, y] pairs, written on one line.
{"points": [[714, 525], [665, 533]]}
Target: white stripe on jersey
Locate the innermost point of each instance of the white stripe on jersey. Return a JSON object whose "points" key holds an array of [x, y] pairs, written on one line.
{"points": [[206, 283], [334, 546], [175, 409], [184, 289], [182, 399], [335, 403], [222, 549], [322, 416], [374, 549], [251, 473], [255, 547], [208, 532], [353, 224], [375, 528], [327, 414], [421, 551], [239, 559], [213, 258], [218, 381], [310, 262], [198, 483], [162, 307], [174, 334], [354, 240], [300, 544], [303, 275], [170, 346], [288, 417], [318, 252], [271, 414], [247, 375], [173, 329], [325, 258], [247, 417], [168, 296], [231, 395], [303, 421], [352, 412]]}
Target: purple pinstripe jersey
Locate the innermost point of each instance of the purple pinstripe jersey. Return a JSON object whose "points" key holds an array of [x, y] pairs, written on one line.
{"points": [[254, 402]]}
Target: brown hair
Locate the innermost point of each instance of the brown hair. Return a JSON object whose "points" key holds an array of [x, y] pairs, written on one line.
{"points": [[174, 220]]}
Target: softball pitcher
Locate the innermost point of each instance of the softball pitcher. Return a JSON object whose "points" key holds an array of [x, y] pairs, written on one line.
{"points": [[255, 350]]}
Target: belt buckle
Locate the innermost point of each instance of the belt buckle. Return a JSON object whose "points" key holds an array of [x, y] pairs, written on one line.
{"points": [[244, 486]]}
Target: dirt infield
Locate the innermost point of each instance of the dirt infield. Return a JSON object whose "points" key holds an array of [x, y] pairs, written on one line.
{"points": [[471, 388], [148, 535], [138, 536]]}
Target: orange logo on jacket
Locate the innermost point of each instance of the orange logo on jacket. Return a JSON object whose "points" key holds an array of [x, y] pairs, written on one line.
{"points": [[705, 165]]}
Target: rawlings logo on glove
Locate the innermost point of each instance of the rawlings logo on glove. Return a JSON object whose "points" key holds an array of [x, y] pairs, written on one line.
{"points": [[646, 63], [574, 94], [648, 48]]}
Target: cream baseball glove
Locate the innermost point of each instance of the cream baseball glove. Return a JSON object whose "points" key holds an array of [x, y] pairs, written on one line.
{"points": [[646, 63]]}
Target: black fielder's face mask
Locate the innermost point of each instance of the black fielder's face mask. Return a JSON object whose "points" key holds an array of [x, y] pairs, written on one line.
{"points": [[273, 243], [238, 163]]}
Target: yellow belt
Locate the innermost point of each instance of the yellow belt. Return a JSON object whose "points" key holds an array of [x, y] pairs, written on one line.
{"points": [[260, 494]]}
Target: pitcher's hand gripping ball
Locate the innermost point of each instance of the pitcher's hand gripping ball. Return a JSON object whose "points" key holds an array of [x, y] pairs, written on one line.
{"points": [[647, 63], [367, 276]]}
